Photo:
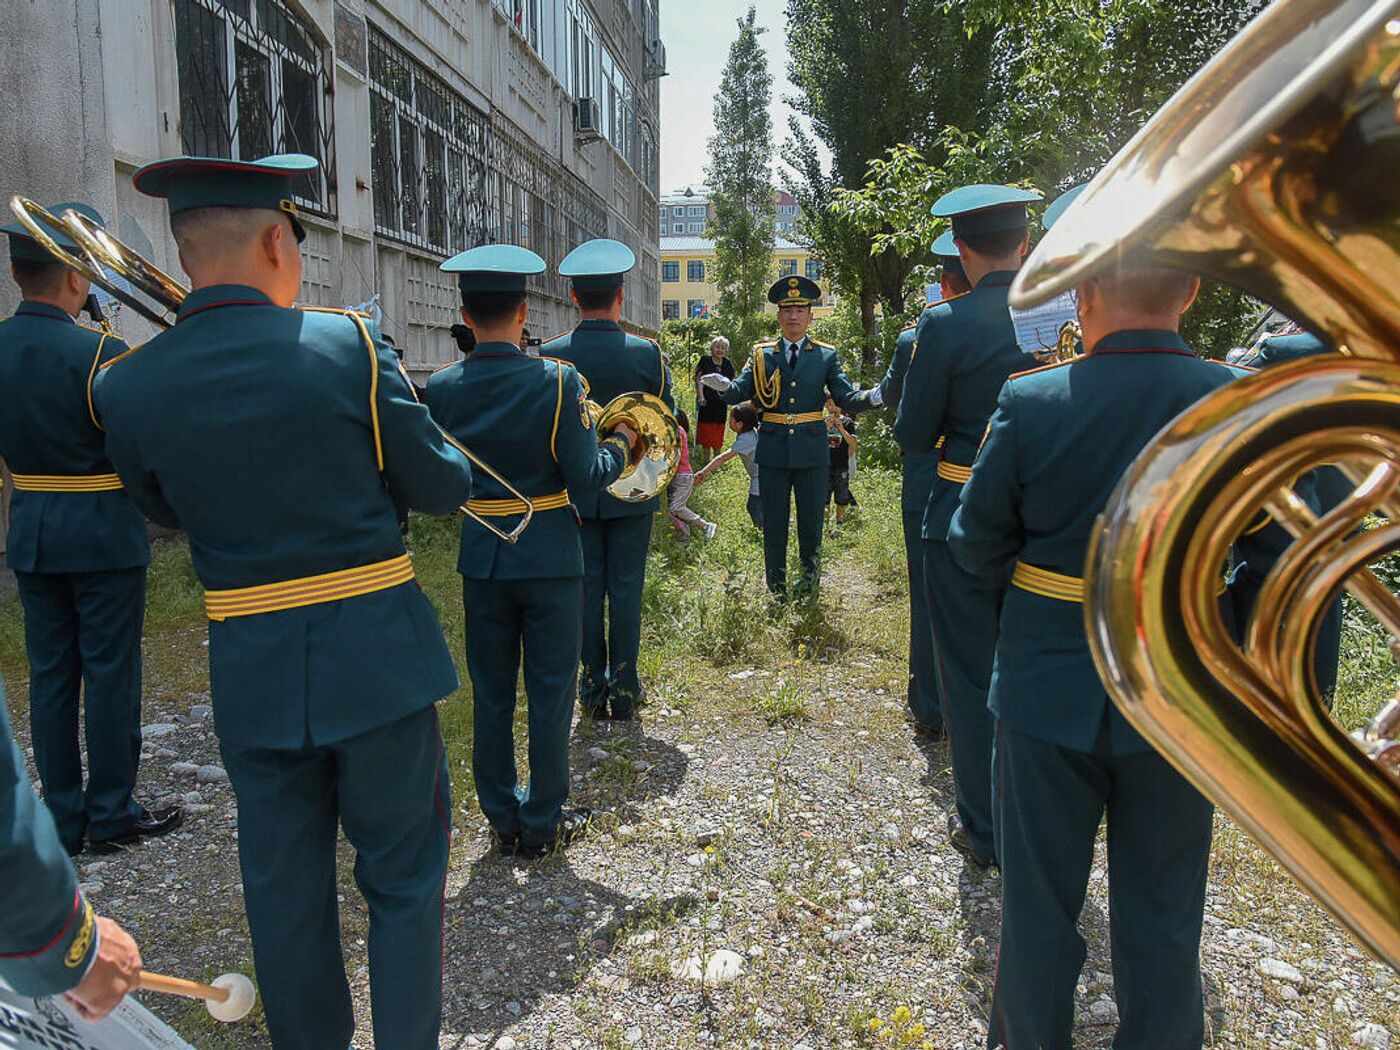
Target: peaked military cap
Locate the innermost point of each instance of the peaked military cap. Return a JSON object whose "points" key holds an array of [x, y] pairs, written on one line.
{"points": [[598, 265], [946, 249], [1060, 204], [25, 248], [493, 268], [795, 291], [985, 208], [214, 182]]}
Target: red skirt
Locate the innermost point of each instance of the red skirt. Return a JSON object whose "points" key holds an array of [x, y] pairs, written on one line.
{"points": [[710, 435]]}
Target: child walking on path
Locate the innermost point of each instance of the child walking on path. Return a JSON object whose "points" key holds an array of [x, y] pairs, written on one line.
{"points": [[682, 517], [743, 420]]}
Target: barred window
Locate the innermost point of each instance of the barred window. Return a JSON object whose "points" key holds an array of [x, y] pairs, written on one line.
{"points": [[670, 310], [254, 80], [525, 16], [670, 272], [429, 154], [787, 267], [695, 271], [814, 269], [695, 308]]}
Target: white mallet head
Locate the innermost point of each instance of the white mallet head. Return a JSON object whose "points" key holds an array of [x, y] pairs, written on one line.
{"points": [[241, 997]]}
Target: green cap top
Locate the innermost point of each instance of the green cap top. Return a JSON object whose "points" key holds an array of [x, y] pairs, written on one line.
{"points": [[598, 265], [214, 182], [493, 268], [985, 208]]}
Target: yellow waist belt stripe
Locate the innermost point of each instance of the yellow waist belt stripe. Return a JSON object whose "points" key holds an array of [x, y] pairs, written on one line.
{"points": [[504, 508], [953, 472], [67, 482], [308, 590], [789, 419], [1057, 585]]}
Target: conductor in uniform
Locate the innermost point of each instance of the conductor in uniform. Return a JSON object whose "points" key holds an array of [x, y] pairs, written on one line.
{"points": [[280, 440], [78, 548], [790, 380], [925, 703], [965, 349], [1059, 442], [525, 416], [616, 533]]}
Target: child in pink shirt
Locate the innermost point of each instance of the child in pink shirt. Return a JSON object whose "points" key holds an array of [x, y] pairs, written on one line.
{"points": [[682, 517]]}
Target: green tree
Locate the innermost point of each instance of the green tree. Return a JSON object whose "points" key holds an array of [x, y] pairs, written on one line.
{"points": [[871, 75], [741, 182]]}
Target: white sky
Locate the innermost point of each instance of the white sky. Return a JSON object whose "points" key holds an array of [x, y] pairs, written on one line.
{"points": [[697, 34]]}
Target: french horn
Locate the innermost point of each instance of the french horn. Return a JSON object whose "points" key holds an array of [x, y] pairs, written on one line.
{"points": [[1273, 169]]}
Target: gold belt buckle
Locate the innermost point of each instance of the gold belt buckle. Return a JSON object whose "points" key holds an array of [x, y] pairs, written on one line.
{"points": [[790, 419]]}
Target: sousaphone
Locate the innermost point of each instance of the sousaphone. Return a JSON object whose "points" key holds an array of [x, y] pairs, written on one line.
{"points": [[1274, 169]]}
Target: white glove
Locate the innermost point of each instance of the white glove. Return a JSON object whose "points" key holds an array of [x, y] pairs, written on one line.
{"points": [[876, 397], [716, 382]]}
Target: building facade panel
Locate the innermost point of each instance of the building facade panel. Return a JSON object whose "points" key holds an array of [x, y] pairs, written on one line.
{"points": [[440, 124]]}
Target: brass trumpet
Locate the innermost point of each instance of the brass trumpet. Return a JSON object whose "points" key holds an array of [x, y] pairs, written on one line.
{"points": [[100, 253], [1272, 169]]}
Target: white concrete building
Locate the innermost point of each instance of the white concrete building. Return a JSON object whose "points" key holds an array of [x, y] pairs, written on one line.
{"points": [[440, 124]]}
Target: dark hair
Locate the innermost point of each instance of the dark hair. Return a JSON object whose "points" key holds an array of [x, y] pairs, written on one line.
{"points": [[465, 338], [596, 298], [996, 244], [683, 420], [37, 277], [746, 416], [490, 308]]}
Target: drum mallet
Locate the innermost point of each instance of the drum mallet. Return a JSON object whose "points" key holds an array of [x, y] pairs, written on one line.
{"points": [[228, 998]]}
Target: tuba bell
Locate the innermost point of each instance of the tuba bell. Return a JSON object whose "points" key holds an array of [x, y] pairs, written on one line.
{"points": [[657, 456], [1273, 170]]}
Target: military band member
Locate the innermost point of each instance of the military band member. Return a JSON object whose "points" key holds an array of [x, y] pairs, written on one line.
{"points": [[1060, 440], [925, 703], [78, 547], [280, 440], [790, 380], [965, 349], [616, 534], [51, 940], [526, 417]]}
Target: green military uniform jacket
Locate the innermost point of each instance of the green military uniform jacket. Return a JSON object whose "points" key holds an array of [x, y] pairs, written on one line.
{"points": [[804, 390], [612, 362], [280, 439], [965, 350], [48, 932], [525, 416], [919, 467], [47, 362], [1060, 441]]}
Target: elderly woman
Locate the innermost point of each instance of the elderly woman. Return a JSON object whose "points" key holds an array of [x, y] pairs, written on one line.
{"points": [[711, 411]]}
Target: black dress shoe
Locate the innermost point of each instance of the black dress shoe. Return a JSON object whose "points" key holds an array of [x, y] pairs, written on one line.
{"points": [[573, 824], [74, 848], [959, 839], [149, 824], [928, 733], [508, 845]]}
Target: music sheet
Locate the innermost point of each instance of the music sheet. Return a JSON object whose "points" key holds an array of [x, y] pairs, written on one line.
{"points": [[1038, 329], [46, 1024]]}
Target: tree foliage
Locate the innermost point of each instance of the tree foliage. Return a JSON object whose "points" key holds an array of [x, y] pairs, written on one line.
{"points": [[741, 183]]}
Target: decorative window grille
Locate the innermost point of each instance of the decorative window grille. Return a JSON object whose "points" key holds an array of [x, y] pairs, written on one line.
{"points": [[255, 80], [695, 271], [670, 272], [429, 152]]}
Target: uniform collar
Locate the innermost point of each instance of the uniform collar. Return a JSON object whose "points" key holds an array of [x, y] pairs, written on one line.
{"points": [[33, 309], [805, 343], [496, 350], [221, 295], [599, 323], [997, 279], [1142, 340]]}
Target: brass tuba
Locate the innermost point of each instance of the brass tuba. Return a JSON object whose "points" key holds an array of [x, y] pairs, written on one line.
{"points": [[100, 255], [657, 456], [1272, 169]]}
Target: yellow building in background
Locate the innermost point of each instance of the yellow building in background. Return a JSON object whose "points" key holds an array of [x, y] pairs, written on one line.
{"points": [[687, 275]]}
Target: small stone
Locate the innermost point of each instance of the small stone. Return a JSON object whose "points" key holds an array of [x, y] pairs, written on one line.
{"points": [[890, 832], [909, 881], [695, 860], [184, 769], [166, 752], [1280, 971], [91, 887], [158, 729], [860, 907], [688, 969], [597, 754], [192, 797], [201, 711], [707, 837], [724, 966], [196, 808], [1372, 1036], [514, 1009], [505, 1043], [1105, 1011], [633, 1035], [1288, 993], [211, 775]]}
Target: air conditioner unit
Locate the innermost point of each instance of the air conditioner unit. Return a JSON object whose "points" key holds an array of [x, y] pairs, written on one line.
{"points": [[587, 120], [655, 62]]}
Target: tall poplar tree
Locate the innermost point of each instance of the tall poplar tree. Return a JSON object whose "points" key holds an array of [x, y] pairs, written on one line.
{"points": [[741, 187]]}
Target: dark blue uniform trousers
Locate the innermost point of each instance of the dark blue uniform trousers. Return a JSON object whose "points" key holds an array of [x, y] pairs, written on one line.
{"points": [[924, 702], [778, 489], [1159, 829], [542, 618], [389, 789], [614, 572], [965, 615], [82, 632]]}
